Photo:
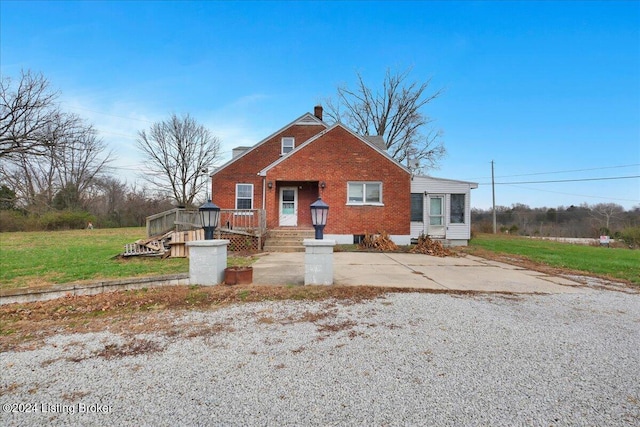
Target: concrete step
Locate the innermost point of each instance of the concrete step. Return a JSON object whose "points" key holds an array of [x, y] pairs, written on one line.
{"points": [[295, 233], [287, 240], [283, 248]]}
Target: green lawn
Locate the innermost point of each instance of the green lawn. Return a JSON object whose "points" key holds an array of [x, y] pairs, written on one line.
{"points": [[615, 263], [41, 258]]}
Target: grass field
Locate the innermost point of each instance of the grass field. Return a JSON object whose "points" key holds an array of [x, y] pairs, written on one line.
{"points": [[45, 258], [601, 261], [41, 258]]}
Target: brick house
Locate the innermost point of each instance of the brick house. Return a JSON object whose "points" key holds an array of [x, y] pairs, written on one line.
{"points": [[366, 189]]}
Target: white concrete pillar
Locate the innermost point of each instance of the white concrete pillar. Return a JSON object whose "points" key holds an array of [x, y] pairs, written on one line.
{"points": [[318, 262], [207, 261]]}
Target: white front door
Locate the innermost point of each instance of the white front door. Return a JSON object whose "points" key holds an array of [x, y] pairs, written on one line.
{"points": [[288, 206], [436, 216]]}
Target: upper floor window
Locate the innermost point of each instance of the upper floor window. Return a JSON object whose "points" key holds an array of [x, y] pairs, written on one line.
{"points": [[457, 209], [288, 144], [364, 193], [244, 196]]}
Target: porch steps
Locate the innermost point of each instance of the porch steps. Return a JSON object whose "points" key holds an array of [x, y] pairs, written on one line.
{"points": [[284, 240]]}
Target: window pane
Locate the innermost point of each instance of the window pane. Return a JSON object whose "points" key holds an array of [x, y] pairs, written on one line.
{"points": [[435, 220], [435, 211], [416, 207], [244, 203], [355, 193], [245, 190], [288, 208], [457, 208], [288, 195], [373, 193], [436, 206]]}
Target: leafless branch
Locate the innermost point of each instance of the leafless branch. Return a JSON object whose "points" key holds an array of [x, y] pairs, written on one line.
{"points": [[395, 113], [28, 115], [177, 150]]}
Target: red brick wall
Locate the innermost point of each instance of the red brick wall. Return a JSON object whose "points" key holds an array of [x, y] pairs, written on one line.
{"points": [[245, 170], [336, 158]]}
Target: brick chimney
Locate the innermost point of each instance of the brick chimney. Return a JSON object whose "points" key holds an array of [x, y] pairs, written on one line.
{"points": [[317, 111]]}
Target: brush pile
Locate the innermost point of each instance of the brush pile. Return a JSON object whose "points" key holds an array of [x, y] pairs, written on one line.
{"points": [[431, 247], [379, 242]]}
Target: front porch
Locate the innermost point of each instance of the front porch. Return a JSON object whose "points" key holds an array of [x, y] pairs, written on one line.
{"points": [[287, 203], [245, 228]]}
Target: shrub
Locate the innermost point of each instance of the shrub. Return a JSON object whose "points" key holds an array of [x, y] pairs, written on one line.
{"points": [[65, 220], [11, 220], [482, 227], [631, 236]]}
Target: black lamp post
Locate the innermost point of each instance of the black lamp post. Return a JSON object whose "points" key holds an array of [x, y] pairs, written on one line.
{"points": [[319, 213], [209, 214]]}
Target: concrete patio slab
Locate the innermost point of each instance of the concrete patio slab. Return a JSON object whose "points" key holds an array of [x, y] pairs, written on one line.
{"points": [[416, 271]]}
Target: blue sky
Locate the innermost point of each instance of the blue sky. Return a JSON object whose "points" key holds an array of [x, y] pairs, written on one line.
{"points": [[548, 90]]}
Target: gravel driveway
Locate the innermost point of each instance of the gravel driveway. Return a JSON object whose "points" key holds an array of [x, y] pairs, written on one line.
{"points": [[405, 359]]}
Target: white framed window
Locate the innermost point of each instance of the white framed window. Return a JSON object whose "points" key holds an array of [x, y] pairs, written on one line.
{"points": [[244, 196], [288, 144], [364, 193]]}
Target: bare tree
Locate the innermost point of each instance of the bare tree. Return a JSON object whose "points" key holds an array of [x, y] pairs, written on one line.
{"points": [[66, 168], [396, 114], [177, 150], [28, 116], [604, 213], [80, 158], [140, 203]]}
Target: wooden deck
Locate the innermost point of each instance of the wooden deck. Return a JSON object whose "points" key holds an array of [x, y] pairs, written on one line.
{"points": [[245, 228]]}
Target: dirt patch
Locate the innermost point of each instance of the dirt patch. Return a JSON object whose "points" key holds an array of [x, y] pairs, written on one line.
{"points": [[26, 325], [131, 348]]}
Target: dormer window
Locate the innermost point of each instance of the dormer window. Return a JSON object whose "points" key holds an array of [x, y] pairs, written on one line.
{"points": [[288, 144]]}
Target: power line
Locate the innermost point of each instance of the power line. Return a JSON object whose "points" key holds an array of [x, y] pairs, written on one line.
{"points": [[562, 171], [563, 180], [572, 170], [117, 134], [577, 195]]}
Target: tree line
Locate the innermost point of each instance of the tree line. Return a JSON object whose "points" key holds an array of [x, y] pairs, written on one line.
{"points": [[55, 169], [589, 221]]}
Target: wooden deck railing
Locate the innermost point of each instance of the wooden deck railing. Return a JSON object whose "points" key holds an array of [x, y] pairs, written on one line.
{"points": [[251, 222]]}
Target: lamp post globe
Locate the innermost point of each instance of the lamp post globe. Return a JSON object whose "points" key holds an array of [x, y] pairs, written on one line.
{"points": [[209, 215], [319, 213]]}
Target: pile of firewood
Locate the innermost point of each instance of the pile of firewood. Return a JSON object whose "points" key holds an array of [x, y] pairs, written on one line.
{"points": [[379, 242], [431, 247]]}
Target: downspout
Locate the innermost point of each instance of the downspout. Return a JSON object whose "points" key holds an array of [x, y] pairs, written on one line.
{"points": [[264, 209]]}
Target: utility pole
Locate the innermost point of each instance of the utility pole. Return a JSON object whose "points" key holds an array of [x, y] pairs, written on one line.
{"points": [[493, 192]]}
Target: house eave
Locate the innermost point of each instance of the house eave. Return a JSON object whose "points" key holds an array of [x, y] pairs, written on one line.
{"points": [[471, 184]]}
